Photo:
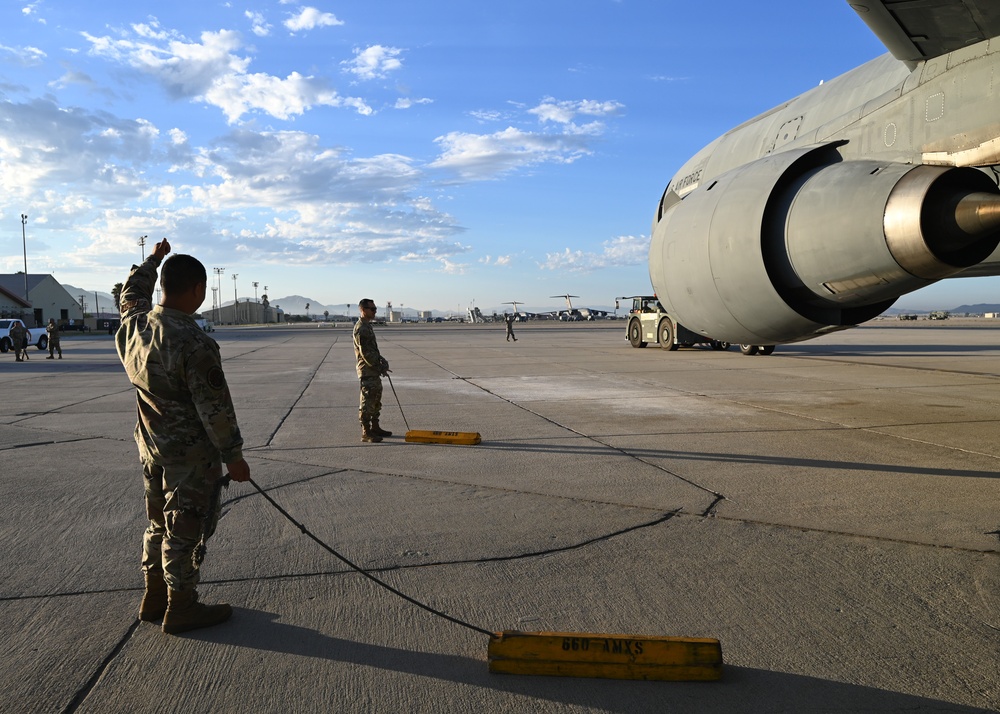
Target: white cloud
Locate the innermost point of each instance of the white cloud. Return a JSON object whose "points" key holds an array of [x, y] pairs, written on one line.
{"points": [[25, 56], [324, 207], [374, 62], [406, 103], [560, 140], [30, 9], [486, 156], [500, 261], [258, 24], [452, 268], [310, 18], [70, 78], [275, 197], [564, 112], [212, 72], [484, 115], [620, 251], [70, 167]]}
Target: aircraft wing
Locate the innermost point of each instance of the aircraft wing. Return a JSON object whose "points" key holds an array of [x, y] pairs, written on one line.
{"points": [[916, 30]]}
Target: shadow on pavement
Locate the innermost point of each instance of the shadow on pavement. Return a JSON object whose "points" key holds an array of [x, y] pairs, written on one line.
{"points": [[742, 689]]}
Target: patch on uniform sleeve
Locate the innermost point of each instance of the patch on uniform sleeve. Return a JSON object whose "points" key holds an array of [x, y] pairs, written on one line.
{"points": [[216, 378]]}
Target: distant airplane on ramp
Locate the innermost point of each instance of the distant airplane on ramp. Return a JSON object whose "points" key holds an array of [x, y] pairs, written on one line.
{"points": [[576, 313]]}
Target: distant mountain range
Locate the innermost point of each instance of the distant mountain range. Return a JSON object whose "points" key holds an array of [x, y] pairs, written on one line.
{"points": [[977, 309], [105, 303], [296, 305]]}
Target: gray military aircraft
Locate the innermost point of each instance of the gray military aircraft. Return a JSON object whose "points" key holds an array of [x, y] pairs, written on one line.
{"points": [[519, 316], [576, 313], [819, 214]]}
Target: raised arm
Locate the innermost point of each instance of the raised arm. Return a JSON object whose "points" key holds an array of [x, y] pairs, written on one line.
{"points": [[137, 293]]}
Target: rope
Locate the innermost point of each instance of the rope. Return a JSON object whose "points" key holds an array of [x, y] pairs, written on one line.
{"points": [[368, 575], [397, 401]]}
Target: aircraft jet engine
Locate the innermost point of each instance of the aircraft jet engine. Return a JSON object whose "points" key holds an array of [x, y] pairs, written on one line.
{"points": [[818, 215]]}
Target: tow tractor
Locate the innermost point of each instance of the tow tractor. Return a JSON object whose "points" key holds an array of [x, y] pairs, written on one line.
{"points": [[649, 323]]}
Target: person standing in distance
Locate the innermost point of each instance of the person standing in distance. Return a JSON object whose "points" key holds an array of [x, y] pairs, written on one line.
{"points": [[17, 338], [52, 329], [371, 366], [509, 319], [186, 430]]}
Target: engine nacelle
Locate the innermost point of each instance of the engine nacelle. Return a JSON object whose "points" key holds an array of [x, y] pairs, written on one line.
{"points": [[801, 243]]}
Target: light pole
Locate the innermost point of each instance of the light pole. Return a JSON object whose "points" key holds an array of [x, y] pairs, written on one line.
{"points": [[142, 246], [236, 300], [254, 320], [24, 244], [218, 279]]}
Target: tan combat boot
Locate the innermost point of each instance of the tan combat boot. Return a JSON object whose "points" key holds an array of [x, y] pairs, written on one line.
{"points": [[377, 430], [184, 612], [367, 434], [154, 601]]}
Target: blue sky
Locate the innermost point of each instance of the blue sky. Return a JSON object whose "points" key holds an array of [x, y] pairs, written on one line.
{"points": [[432, 154]]}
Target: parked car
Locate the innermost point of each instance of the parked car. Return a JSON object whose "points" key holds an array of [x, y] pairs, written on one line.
{"points": [[36, 336]]}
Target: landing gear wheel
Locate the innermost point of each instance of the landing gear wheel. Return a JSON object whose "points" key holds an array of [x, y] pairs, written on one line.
{"points": [[666, 333], [749, 349], [635, 334], [766, 349]]}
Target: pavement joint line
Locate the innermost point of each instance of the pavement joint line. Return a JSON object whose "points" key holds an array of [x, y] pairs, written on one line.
{"points": [[48, 443], [280, 486], [678, 513], [663, 518], [467, 484], [55, 410], [832, 425], [846, 534], [876, 428], [79, 437], [469, 380], [914, 367], [241, 355], [710, 512], [82, 693], [309, 381]]}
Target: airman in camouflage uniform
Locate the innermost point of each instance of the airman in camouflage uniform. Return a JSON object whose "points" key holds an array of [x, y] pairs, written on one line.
{"points": [[186, 430], [371, 366], [52, 330], [17, 340], [509, 320]]}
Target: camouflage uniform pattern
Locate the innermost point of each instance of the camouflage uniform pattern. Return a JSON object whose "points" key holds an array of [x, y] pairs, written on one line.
{"points": [[52, 330], [186, 425], [17, 337], [370, 368]]}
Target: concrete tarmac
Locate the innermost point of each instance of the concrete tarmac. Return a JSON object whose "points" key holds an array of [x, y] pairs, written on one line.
{"points": [[828, 512]]}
